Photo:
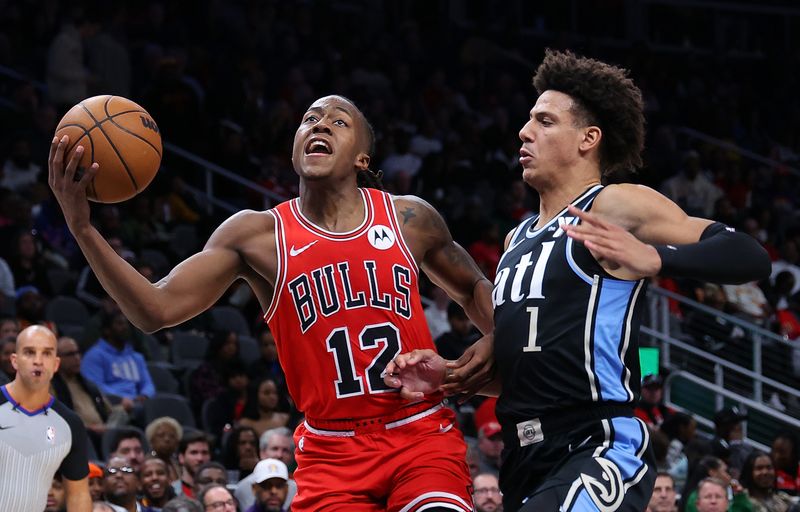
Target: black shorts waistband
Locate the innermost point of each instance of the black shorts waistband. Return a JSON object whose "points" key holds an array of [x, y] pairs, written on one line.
{"points": [[523, 431]]}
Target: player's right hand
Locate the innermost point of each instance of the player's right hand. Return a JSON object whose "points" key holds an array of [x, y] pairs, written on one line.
{"points": [[416, 373], [69, 191]]}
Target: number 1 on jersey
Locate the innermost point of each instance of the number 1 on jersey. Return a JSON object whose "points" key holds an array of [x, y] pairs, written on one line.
{"points": [[536, 293]]}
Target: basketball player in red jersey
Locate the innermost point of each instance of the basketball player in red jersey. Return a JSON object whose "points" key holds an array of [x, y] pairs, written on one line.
{"points": [[336, 271]]}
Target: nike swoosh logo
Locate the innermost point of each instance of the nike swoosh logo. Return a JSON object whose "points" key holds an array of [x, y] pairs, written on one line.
{"points": [[442, 429], [4, 428], [295, 252], [582, 443]]}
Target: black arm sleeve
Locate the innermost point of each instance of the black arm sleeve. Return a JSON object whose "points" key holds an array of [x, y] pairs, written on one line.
{"points": [[75, 465], [722, 256]]}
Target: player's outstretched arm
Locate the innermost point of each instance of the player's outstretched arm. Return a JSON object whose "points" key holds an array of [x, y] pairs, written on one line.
{"points": [[635, 232], [451, 268], [190, 288], [78, 497]]}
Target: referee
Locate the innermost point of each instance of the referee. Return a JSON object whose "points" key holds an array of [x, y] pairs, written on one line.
{"points": [[38, 434]]}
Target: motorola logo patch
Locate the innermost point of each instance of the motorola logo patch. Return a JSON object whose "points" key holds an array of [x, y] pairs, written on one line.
{"points": [[380, 237]]}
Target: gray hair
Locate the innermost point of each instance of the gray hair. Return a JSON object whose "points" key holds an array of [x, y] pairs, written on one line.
{"points": [[263, 441], [182, 504]]}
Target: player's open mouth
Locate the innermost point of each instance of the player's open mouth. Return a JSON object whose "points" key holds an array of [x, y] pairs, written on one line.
{"points": [[318, 146], [37, 373]]}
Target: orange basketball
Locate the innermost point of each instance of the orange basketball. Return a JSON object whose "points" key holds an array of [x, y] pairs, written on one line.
{"points": [[121, 137]]}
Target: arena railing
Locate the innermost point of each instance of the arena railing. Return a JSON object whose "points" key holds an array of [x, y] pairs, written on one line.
{"points": [[739, 372]]}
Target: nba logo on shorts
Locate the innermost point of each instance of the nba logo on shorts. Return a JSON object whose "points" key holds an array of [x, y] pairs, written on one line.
{"points": [[51, 434], [380, 237]]}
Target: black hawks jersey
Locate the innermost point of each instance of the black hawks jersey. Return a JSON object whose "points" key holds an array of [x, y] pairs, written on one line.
{"points": [[565, 330]]}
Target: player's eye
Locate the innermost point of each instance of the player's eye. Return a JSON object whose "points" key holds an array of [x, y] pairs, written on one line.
{"points": [[340, 122], [311, 119]]}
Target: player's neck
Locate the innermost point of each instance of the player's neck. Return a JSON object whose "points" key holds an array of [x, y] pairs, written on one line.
{"points": [[552, 200], [333, 209], [29, 399]]}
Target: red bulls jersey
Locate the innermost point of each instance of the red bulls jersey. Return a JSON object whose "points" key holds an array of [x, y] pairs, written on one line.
{"points": [[345, 304]]}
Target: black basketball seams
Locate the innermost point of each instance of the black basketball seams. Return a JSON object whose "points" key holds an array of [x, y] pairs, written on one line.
{"points": [[111, 118], [99, 126]]}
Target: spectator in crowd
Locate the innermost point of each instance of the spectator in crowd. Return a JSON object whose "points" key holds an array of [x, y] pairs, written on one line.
{"points": [[691, 189], [128, 444], [758, 477], [713, 467], [712, 496], [462, 334], [117, 369], [747, 301], [56, 498], [680, 428], [276, 443], [9, 328], [78, 393], [122, 485], [270, 486], [102, 506], [7, 287], [164, 435], [663, 498], [208, 380], [268, 366], [19, 172], [651, 408], [7, 371], [260, 409], [96, 486], [728, 442], [222, 412], [28, 264], [789, 261], [486, 493], [786, 459], [183, 504], [194, 450], [490, 445], [473, 459], [436, 312], [210, 473], [155, 483], [217, 498], [487, 249], [241, 451]]}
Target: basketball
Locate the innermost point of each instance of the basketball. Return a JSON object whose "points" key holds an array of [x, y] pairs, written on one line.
{"points": [[121, 137]]}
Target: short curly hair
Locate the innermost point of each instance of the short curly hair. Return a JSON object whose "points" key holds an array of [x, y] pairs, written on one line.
{"points": [[604, 96]]}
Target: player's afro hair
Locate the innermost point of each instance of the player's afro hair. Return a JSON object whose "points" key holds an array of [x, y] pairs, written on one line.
{"points": [[605, 97]]}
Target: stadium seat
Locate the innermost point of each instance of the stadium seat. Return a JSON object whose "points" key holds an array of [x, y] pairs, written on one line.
{"points": [[168, 404], [229, 318], [155, 351], [163, 378], [64, 310], [249, 349], [188, 349]]}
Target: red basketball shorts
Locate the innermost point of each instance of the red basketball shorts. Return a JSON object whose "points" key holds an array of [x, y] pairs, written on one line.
{"points": [[405, 465]]}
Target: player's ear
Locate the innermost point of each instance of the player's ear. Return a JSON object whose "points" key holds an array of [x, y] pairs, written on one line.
{"points": [[362, 161], [591, 138], [14, 360], [58, 364]]}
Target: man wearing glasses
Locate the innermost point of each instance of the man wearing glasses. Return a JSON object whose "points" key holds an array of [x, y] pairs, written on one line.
{"points": [[121, 485], [486, 493], [216, 498]]}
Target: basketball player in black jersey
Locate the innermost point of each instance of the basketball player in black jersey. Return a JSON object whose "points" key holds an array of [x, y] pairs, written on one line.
{"points": [[568, 297]]}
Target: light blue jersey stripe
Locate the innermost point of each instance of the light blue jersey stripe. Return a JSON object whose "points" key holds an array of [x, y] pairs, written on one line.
{"points": [[612, 309]]}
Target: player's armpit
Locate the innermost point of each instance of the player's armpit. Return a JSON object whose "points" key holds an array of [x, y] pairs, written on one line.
{"points": [[78, 497]]}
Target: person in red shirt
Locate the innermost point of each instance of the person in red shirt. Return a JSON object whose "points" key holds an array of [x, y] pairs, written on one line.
{"points": [[651, 408], [786, 459]]}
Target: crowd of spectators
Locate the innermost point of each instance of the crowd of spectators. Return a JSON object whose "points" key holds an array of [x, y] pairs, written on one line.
{"points": [[228, 82]]}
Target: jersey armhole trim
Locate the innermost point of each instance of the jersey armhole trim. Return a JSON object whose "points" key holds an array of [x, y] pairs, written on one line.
{"points": [[280, 274]]}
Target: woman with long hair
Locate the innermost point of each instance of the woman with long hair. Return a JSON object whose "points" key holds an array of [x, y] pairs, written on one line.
{"points": [[260, 409]]}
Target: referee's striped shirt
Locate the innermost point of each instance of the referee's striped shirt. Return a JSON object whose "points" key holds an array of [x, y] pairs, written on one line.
{"points": [[33, 446]]}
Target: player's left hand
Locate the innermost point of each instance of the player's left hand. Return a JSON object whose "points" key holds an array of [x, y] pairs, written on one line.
{"points": [[614, 247], [416, 373], [473, 371]]}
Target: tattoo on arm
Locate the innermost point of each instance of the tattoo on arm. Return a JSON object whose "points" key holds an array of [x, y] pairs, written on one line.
{"points": [[408, 214]]}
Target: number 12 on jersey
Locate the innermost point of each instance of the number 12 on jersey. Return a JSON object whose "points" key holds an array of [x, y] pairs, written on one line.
{"points": [[350, 382]]}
